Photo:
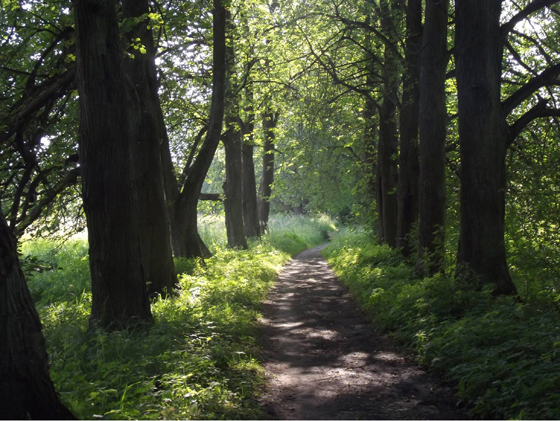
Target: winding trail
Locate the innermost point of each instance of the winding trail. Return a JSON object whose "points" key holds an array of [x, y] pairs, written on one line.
{"points": [[323, 360]]}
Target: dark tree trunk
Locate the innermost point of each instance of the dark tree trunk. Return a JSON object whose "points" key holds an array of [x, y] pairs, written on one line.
{"points": [[407, 191], [387, 171], [265, 190], [106, 148], [233, 187], [250, 207], [250, 210], [371, 113], [184, 199], [186, 239], [150, 132], [26, 389], [387, 176], [481, 259], [232, 140], [433, 120]]}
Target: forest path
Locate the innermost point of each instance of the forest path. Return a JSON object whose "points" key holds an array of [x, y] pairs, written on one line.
{"points": [[323, 359]]}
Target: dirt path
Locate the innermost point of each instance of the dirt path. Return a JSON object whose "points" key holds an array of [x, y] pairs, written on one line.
{"points": [[324, 361]]}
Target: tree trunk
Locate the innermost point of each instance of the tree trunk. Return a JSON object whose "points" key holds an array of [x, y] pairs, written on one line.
{"points": [[150, 131], [433, 120], [481, 259], [233, 187], [119, 295], [186, 239], [250, 207], [387, 177], [26, 389], [387, 171], [265, 190], [184, 199], [407, 191]]}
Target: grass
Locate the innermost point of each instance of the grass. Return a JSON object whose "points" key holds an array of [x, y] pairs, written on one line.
{"points": [[200, 360], [503, 356]]}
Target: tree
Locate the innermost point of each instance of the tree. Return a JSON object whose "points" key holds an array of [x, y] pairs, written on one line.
{"points": [[269, 122], [119, 295], [481, 258], [26, 389], [149, 134], [38, 129], [387, 171], [407, 189], [250, 205], [183, 196], [433, 122], [233, 141]]}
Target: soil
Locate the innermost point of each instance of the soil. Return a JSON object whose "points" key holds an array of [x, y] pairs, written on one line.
{"points": [[324, 360]]}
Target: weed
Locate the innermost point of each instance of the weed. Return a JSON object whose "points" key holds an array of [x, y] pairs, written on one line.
{"points": [[198, 361], [503, 356]]}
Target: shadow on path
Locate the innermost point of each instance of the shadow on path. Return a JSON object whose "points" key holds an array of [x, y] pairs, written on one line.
{"points": [[323, 360]]}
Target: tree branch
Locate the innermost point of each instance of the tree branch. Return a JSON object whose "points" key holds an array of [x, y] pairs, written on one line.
{"points": [[547, 77], [538, 111], [532, 7]]}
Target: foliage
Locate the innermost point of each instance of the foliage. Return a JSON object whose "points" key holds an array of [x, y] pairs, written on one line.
{"points": [[287, 233], [502, 355], [199, 360]]}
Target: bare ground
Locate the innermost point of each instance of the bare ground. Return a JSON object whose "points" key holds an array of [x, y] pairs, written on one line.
{"points": [[324, 360]]}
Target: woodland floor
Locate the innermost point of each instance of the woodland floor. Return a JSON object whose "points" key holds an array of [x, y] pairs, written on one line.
{"points": [[324, 360]]}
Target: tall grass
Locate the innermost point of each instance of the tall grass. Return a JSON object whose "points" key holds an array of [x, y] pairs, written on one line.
{"points": [[503, 356], [200, 360]]}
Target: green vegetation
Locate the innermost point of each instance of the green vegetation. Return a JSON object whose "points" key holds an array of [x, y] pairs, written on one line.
{"points": [[199, 360], [503, 355]]}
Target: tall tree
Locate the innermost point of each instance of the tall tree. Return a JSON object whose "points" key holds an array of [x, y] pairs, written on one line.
{"points": [[407, 190], [233, 141], [119, 295], [26, 389], [149, 135], [269, 122], [481, 258], [433, 122], [250, 207], [183, 197], [387, 149]]}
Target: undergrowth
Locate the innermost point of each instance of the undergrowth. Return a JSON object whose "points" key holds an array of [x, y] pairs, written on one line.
{"points": [[200, 358], [503, 356]]}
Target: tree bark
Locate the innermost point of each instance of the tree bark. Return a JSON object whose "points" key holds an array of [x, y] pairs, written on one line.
{"points": [[233, 187], [269, 122], [150, 132], [481, 258], [387, 171], [407, 191], [184, 199], [433, 120], [119, 296], [250, 207], [26, 389]]}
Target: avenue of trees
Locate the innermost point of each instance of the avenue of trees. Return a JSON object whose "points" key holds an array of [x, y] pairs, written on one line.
{"points": [[433, 122]]}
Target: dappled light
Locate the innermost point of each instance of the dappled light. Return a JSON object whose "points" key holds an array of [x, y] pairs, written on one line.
{"points": [[325, 361]]}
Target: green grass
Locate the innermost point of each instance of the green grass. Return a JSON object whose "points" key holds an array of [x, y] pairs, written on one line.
{"points": [[200, 360], [503, 356]]}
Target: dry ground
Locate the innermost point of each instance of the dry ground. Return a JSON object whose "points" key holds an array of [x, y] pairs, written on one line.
{"points": [[324, 360]]}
